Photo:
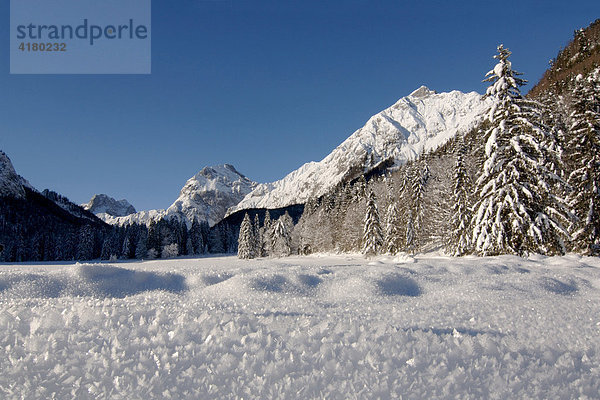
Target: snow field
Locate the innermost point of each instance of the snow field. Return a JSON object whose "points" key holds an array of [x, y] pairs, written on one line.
{"points": [[310, 327]]}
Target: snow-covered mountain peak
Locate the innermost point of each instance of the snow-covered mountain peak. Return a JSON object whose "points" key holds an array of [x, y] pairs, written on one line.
{"points": [[222, 177], [102, 203], [423, 91], [206, 196], [417, 123], [11, 184]]}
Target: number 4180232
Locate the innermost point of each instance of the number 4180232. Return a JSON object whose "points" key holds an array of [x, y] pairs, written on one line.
{"points": [[43, 46]]}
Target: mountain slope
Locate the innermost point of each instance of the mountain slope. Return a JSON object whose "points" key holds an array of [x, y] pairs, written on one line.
{"points": [[580, 56], [41, 226], [11, 184], [417, 123], [103, 204], [206, 196]]}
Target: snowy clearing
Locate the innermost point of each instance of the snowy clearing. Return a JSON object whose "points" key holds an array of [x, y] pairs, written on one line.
{"points": [[337, 327]]}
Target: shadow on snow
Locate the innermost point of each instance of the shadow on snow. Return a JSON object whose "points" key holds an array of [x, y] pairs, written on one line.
{"points": [[90, 280]]}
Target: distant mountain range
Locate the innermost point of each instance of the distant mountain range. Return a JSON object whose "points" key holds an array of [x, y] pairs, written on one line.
{"points": [[417, 123], [206, 197]]}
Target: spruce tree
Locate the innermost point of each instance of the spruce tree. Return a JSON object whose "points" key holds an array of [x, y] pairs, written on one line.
{"points": [[257, 236], [196, 239], [266, 235], [361, 188], [216, 239], [404, 205], [392, 229], [130, 241], [246, 239], [141, 249], [85, 246], [517, 212], [415, 218], [409, 236], [584, 160], [204, 234], [372, 235], [154, 241], [281, 236], [110, 246], [459, 243]]}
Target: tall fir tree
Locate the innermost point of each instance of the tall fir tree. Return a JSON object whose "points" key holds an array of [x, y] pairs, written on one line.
{"points": [[584, 160], [246, 240], [393, 242], [154, 241], [459, 240], [141, 249], [409, 236], [266, 235], [257, 236], [415, 218], [216, 239], [268, 221], [196, 238], [517, 212], [85, 245], [111, 246], [130, 241], [372, 234], [281, 236], [404, 204]]}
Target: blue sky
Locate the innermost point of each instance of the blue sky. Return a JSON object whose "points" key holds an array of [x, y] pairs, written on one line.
{"points": [[263, 85]]}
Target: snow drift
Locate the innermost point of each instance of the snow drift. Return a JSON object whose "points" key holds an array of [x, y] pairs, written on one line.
{"points": [[314, 327]]}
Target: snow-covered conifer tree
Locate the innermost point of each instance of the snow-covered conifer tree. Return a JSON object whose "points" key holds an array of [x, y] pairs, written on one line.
{"points": [[409, 236], [110, 247], [246, 239], [257, 237], [459, 241], [196, 239], [281, 236], [584, 160], [170, 250], [392, 229], [415, 219], [516, 211], [141, 251], [372, 235], [85, 246], [266, 235], [361, 188], [403, 203]]}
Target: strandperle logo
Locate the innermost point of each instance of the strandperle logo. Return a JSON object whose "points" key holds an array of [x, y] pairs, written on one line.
{"points": [[85, 31], [80, 37]]}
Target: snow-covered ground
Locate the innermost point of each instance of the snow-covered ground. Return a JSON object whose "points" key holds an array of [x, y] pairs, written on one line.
{"points": [[335, 327]]}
